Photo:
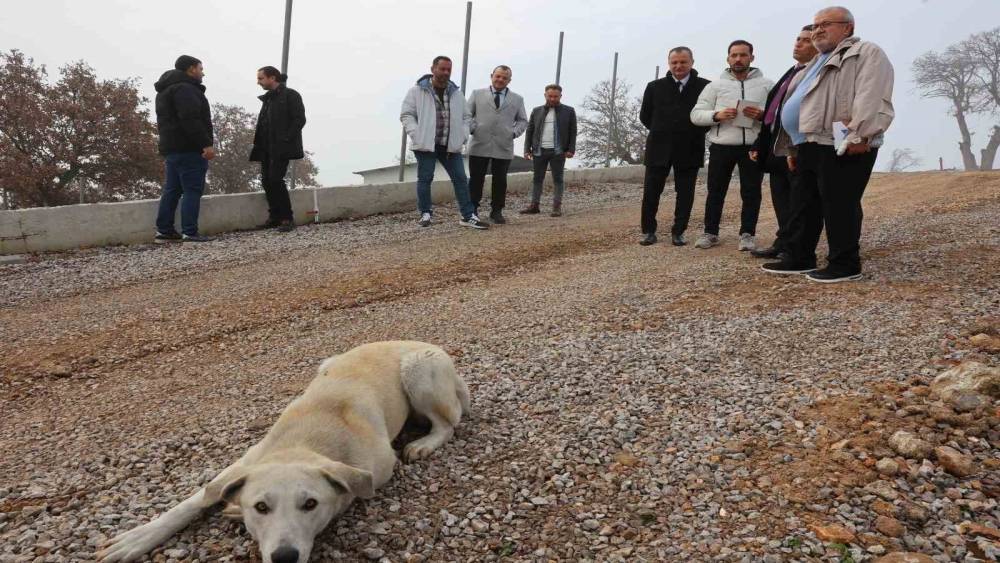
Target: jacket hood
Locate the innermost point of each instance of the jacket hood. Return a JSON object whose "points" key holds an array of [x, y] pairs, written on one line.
{"points": [[271, 93], [425, 83], [754, 73], [174, 76]]}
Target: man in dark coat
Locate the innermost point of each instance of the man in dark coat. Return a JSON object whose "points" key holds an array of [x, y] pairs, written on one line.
{"points": [[276, 141], [673, 142], [762, 150], [549, 140], [184, 123]]}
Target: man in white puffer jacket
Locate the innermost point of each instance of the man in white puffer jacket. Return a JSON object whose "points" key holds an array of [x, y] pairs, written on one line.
{"points": [[729, 142]]}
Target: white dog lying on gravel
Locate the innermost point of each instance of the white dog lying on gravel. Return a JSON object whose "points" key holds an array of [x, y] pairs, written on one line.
{"points": [[330, 445]]}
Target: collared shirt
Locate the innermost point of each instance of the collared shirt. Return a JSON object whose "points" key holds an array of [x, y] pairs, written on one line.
{"points": [[442, 103], [683, 81], [503, 94], [790, 112]]}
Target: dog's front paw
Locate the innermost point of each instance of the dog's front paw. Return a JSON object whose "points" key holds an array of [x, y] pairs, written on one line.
{"points": [[133, 544], [415, 450]]}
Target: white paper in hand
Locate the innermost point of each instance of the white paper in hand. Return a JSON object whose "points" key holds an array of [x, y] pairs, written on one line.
{"points": [[742, 120], [840, 132]]}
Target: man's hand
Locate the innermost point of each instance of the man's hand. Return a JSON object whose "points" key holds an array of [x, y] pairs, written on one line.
{"points": [[527, 156], [793, 163], [753, 113], [753, 156], [727, 114], [569, 154], [858, 148], [208, 153]]}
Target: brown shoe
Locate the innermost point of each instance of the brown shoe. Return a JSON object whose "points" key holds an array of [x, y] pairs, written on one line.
{"points": [[530, 210], [556, 211]]}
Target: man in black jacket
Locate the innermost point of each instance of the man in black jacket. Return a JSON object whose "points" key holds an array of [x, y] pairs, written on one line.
{"points": [[184, 122], [277, 139], [673, 142], [762, 150], [550, 139]]}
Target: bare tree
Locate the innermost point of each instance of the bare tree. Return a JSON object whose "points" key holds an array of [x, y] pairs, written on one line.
{"points": [[951, 76], [610, 128], [80, 139], [231, 171], [902, 160], [983, 51]]}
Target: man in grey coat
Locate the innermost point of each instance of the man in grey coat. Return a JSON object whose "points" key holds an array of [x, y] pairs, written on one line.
{"points": [[498, 117]]}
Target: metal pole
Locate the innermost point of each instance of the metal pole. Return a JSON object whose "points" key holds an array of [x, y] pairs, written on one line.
{"points": [[611, 115], [402, 156], [559, 58], [657, 77], [465, 52], [288, 32]]}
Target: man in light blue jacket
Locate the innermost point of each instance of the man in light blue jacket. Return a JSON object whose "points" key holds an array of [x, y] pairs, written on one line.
{"points": [[435, 118]]}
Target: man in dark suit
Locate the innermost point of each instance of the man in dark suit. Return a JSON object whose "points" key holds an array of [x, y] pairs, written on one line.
{"points": [[673, 142], [549, 140], [762, 150]]}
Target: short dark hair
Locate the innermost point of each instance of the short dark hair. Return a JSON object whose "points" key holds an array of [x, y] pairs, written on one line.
{"points": [[553, 87], [185, 62], [680, 49], [440, 58], [502, 67], [272, 72], [809, 27], [739, 42]]}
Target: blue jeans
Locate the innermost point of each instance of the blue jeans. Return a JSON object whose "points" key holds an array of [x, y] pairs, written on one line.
{"points": [[185, 177], [454, 165]]}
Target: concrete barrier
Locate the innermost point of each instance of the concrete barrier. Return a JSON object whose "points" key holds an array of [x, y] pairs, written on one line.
{"points": [[68, 227]]}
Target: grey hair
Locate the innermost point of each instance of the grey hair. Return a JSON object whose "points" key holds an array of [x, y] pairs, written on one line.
{"points": [[681, 49], [503, 67], [848, 16]]}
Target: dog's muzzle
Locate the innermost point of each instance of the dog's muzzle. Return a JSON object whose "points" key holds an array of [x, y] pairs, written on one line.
{"points": [[285, 554]]}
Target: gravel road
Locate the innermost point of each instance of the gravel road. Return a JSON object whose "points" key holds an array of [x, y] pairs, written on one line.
{"points": [[630, 403]]}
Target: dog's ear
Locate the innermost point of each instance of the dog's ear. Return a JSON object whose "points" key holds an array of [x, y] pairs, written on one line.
{"points": [[341, 476], [225, 487]]}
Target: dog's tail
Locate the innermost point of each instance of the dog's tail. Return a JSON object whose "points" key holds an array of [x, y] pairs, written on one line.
{"points": [[326, 364], [463, 396]]}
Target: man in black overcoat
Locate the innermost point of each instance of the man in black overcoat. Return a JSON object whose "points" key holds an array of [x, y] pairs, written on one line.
{"points": [[673, 142]]}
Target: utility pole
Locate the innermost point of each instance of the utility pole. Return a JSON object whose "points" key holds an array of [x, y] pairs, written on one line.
{"points": [[465, 52], [657, 77], [559, 58], [611, 115], [402, 156]]}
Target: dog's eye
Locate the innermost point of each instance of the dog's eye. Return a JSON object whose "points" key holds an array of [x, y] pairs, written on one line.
{"points": [[310, 504], [261, 507]]}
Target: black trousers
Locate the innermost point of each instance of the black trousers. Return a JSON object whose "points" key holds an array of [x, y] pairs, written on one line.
{"points": [[477, 177], [652, 188], [721, 161], [781, 197], [828, 193], [272, 177]]}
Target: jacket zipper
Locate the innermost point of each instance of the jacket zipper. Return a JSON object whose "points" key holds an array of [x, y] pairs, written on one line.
{"points": [[743, 95]]}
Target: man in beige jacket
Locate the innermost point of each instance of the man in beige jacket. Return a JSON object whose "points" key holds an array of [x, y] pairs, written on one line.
{"points": [[834, 122]]}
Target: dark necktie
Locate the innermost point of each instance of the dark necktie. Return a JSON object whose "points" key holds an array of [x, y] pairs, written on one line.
{"points": [[680, 86], [496, 99]]}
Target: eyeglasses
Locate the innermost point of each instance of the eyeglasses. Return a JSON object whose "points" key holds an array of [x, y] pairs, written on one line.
{"points": [[824, 25]]}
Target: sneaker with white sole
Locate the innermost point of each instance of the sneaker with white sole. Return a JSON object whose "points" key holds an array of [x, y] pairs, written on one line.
{"points": [[197, 238], [747, 242], [826, 276], [474, 222], [707, 240], [163, 238], [425, 220]]}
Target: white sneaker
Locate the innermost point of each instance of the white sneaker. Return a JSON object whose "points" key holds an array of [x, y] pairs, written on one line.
{"points": [[707, 241], [425, 220], [747, 242], [474, 222]]}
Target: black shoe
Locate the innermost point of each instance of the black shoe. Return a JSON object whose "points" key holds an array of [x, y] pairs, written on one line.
{"points": [[787, 268], [770, 252], [530, 210], [826, 276], [498, 218], [677, 240], [648, 239], [172, 236], [286, 226], [197, 238], [269, 224]]}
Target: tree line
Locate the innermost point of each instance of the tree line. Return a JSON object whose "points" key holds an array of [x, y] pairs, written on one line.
{"points": [[80, 139]]}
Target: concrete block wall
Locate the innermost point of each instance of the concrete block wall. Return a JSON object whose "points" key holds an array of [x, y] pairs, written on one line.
{"points": [[46, 229]]}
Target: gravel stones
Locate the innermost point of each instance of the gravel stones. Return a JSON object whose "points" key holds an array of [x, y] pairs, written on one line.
{"points": [[954, 462], [909, 446], [968, 376]]}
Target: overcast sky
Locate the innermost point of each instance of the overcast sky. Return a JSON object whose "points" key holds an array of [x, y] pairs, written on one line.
{"points": [[353, 61]]}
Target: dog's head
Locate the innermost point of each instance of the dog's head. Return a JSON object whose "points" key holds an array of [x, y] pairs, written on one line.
{"points": [[285, 506]]}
